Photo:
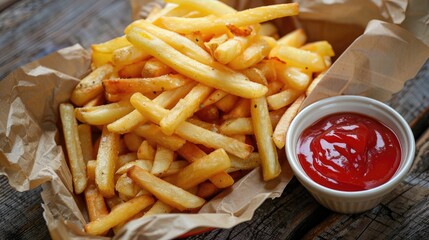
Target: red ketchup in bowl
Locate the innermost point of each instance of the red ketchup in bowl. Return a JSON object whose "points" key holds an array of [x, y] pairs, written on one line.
{"points": [[349, 152]]}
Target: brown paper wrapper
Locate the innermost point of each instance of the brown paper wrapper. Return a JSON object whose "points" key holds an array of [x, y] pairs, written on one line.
{"points": [[376, 63]]}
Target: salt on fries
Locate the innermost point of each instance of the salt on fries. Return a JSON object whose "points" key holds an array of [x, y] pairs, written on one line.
{"points": [[187, 101]]}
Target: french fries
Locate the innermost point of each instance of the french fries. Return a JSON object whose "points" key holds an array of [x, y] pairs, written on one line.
{"points": [[185, 103]]}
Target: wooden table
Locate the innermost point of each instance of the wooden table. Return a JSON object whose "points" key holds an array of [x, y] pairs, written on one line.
{"points": [[32, 29]]}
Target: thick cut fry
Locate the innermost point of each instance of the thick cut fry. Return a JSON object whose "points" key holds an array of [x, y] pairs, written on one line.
{"points": [[154, 68], [207, 190], [242, 109], [301, 58], [192, 153], [106, 160], [184, 108], [119, 214], [90, 170], [282, 99], [103, 114], [177, 41], [126, 158], [202, 169], [227, 103], [132, 141], [164, 191], [154, 84], [146, 151], [174, 168], [253, 161], [162, 160], [126, 187], [322, 48], [154, 134], [134, 118], [279, 135], [145, 164], [85, 138], [253, 54], [213, 76], [133, 70], [95, 204], [314, 83], [158, 208], [237, 126], [90, 86], [263, 132], [295, 77], [74, 150], [111, 45], [190, 131], [206, 7], [296, 38], [218, 24], [128, 55]]}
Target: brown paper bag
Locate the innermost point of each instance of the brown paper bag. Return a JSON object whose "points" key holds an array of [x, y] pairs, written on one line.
{"points": [[376, 64]]}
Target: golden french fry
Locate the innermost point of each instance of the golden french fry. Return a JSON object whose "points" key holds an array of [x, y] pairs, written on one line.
{"points": [[202, 169], [206, 7], [213, 76], [209, 126], [145, 164], [133, 70], [253, 161], [99, 59], [128, 55], [85, 138], [283, 98], [255, 75], [119, 214], [154, 68], [241, 109], [74, 150], [174, 168], [322, 48], [268, 29], [207, 190], [227, 103], [177, 41], [274, 87], [279, 135], [90, 86], [103, 114], [215, 24], [146, 151], [154, 134], [97, 101], [158, 208], [132, 141], [164, 191], [154, 84], [263, 132], [95, 204], [300, 58], [296, 38], [134, 118], [126, 187], [111, 45], [235, 126], [314, 83], [90, 170], [106, 159], [253, 54], [190, 131], [184, 108], [294, 77], [162, 160], [125, 158]]}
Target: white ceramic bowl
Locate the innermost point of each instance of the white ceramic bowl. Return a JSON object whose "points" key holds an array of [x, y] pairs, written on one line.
{"points": [[350, 201]]}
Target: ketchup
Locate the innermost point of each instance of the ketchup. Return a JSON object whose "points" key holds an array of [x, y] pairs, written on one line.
{"points": [[349, 151]]}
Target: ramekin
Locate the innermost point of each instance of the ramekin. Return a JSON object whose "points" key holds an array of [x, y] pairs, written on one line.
{"points": [[350, 201]]}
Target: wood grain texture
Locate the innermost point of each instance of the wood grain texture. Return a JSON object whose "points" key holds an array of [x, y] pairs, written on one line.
{"points": [[33, 29]]}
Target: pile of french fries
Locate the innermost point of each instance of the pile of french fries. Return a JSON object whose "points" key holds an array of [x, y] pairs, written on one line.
{"points": [[181, 106]]}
